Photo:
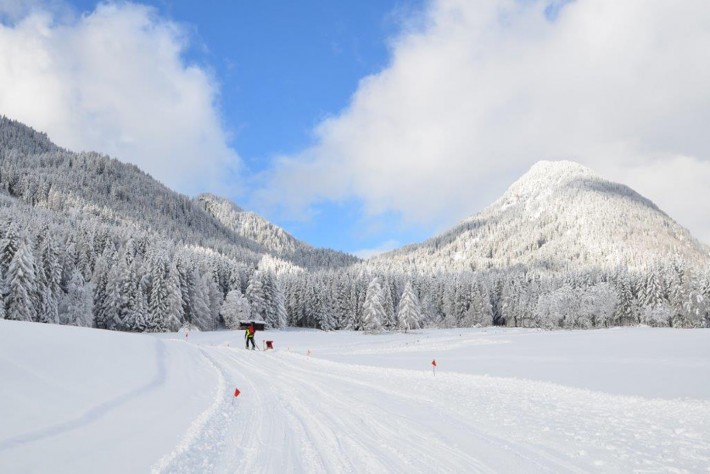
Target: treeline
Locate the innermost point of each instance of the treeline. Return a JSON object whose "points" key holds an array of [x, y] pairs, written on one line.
{"points": [[105, 277], [89, 241], [665, 295]]}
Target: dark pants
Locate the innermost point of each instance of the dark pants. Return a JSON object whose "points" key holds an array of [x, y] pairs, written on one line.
{"points": [[253, 346]]}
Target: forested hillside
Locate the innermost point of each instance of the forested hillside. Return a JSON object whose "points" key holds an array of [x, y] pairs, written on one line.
{"points": [[90, 241], [274, 239], [559, 217]]}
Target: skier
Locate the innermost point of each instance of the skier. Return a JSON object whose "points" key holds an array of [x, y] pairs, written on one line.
{"points": [[249, 336]]}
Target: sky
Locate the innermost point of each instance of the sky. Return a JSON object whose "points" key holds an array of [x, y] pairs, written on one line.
{"points": [[363, 126]]}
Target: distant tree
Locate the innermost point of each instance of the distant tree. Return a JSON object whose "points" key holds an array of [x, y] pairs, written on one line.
{"points": [[9, 245], [164, 297], [626, 313], [199, 298], [597, 304], [75, 306], [234, 309], [373, 310], [409, 313], [256, 296], [21, 286]]}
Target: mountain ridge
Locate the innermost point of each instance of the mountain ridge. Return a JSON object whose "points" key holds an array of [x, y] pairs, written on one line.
{"points": [[90, 241], [555, 216], [43, 174]]}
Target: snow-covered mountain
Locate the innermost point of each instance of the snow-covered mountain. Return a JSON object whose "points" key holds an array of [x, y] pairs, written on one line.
{"points": [[271, 237], [250, 225], [87, 240], [559, 216], [36, 172]]}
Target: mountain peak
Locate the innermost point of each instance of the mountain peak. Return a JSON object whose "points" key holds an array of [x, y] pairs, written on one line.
{"points": [[560, 215], [545, 176]]}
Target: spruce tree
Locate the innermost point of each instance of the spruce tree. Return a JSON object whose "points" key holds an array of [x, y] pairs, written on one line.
{"points": [[409, 313], [257, 298], [75, 307], [373, 309], [21, 286], [8, 247]]}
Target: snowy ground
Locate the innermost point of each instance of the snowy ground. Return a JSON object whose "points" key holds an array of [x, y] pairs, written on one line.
{"points": [[623, 400]]}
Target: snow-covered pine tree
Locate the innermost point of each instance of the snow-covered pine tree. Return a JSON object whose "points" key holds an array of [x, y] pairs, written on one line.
{"points": [[199, 298], [234, 309], [119, 297], [275, 310], [256, 296], [9, 246], [373, 309], [75, 306], [183, 273], [163, 298], [390, 320], [175, 308], [321, 308], [679, 294], [49, 275], [280, 307], [479, 312], [626, 313], [214, 298], [409, 312], [653, 294], [341, 302], [101, 309], [21, 286]]}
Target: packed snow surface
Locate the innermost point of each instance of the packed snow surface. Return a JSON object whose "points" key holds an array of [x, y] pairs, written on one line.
{"points": [[622, 400]]}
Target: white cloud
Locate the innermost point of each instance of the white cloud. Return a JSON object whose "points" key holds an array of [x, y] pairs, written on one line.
{"points": [[114, 80], [480, 90]]}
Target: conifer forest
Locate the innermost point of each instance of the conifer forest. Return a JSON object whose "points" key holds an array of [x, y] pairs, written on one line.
{"points": [[89, 241]]}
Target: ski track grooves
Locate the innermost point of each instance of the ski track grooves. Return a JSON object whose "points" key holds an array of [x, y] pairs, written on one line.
{"points": [[373, 437], [293, 416], [298, 414], [202, 438]]}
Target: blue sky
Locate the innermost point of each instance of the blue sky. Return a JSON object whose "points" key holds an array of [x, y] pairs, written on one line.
{"points": [[372, 124], [281, 68]]}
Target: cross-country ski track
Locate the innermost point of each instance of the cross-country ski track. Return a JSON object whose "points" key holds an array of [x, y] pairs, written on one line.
{"points": [[78, 400], [300, 414]]}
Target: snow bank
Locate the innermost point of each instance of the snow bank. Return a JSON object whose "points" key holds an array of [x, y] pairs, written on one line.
{"points": [[84, 400]]}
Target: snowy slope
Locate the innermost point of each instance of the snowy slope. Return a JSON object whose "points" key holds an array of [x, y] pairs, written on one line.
{"points": [[558, 216], [91, 401], [271, 237], [249, 224]]}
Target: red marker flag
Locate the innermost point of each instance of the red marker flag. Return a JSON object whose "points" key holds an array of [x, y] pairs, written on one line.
{"points": [[433, 362], [236, 392]]}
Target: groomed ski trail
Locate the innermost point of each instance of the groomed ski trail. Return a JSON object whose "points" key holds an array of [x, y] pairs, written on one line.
{"points": [[301, 414]]}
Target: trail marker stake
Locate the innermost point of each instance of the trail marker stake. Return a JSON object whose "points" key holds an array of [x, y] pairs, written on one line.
{"points": [[433, 366]]}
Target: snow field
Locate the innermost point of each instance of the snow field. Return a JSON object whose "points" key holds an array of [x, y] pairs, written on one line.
{"points": [[80, 400]]}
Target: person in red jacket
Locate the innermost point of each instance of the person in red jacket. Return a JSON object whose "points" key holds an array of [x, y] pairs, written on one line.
{"points": [[249, 336]]}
